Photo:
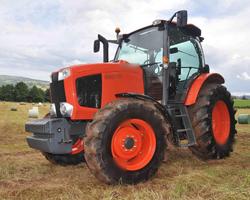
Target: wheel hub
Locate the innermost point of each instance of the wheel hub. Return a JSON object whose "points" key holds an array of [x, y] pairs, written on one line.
{"points": [[129, 143]]}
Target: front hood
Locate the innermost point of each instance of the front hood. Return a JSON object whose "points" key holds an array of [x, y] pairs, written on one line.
{"points": [[102, 67]]}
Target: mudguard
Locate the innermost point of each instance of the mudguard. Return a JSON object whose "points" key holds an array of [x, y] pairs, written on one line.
{"points": [[198, 83]]}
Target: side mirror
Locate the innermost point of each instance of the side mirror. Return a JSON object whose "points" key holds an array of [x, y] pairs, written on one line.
{"points": [[206, 69], [173, 50], [96, 46], [181, 18]]}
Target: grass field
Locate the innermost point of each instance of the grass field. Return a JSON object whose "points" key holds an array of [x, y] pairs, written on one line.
{"points": [[25, 174], [239, 103]]}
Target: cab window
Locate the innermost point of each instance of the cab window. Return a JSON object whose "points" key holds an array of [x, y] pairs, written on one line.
{"points": [[185, 51]]}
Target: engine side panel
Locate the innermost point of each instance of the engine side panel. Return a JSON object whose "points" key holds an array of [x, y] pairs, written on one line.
{"points": [[116, 78]]}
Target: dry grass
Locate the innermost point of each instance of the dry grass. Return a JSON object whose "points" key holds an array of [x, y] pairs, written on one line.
{"points": [[25, 174]]}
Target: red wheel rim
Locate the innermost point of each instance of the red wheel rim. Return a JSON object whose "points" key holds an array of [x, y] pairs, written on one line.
{"points": [[220, 122], [133, 144], [77, 147]]}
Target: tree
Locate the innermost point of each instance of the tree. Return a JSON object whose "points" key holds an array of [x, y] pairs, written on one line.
{"points": [[7, 93], [47, 95], [1, 93], [36, 94], [21, 91]]}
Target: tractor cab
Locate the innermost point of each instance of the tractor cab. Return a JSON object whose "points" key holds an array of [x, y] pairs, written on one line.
{"points": [[152, 47]]}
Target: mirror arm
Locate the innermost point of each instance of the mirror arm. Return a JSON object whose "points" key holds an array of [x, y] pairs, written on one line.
{"points": [[105, 48], [113, 41]]}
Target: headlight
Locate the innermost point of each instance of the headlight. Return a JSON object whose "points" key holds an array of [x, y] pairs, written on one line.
{"points": [[52, 110], [66, 109], [63, 74]]}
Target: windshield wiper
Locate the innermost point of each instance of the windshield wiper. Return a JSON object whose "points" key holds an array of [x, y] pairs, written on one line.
{"points": [[149, 64], [137, 48]]}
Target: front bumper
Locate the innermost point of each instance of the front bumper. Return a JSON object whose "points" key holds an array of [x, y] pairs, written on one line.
{"points": [[52, 135]]}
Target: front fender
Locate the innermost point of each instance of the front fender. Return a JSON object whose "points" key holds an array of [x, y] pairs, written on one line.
{"points": [[198, 83]]}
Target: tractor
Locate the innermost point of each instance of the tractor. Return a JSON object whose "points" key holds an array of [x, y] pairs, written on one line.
{"points": [[121, 115]]}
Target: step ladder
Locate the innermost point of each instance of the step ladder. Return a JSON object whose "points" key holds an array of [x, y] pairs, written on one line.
{"points": [[183, 127]]}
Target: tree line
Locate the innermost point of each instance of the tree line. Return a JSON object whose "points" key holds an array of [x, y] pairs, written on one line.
{"points": [[22, 93]]}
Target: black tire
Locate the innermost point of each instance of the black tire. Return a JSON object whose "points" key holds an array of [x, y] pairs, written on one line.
{"points": [[100, 131], [201, 117], [64, 159]]}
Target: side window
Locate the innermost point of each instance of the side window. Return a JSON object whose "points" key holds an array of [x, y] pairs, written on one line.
{"points": [[186, 58]]}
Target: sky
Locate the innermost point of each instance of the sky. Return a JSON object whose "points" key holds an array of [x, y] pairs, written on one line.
{"points": [[40, 36]]}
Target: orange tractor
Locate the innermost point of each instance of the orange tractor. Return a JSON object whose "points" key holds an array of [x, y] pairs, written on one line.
{"points": [[120, 115]]}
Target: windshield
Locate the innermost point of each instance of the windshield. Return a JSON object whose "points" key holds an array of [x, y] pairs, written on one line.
{"points": [[143, 47]]}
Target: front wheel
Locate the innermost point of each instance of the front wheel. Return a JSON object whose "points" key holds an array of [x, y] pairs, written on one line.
{"points": [[125, 142], [74, 158], [213, 121]]}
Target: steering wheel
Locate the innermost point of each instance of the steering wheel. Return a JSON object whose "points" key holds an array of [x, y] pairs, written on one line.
{"points": [[153, 68], [146, 62]]}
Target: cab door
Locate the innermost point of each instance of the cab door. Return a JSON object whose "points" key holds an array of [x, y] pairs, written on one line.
{"points": [[186, 53]]}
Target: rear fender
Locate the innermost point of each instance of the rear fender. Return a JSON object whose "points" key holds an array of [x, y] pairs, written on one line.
{"points": [[198, 83]]}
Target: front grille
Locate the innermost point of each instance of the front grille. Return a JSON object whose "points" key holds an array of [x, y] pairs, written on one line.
{"points": [[89, 91], [57, 93]]}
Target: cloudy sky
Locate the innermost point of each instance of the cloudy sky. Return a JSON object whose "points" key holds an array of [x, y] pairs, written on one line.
{"points": [[39, 36]]}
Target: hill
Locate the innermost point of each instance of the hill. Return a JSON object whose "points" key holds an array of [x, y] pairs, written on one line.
{"points": [[6, 79]]}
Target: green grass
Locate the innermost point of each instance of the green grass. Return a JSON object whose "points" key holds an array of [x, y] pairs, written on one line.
{"points": [[26, 174], [240, 103]]}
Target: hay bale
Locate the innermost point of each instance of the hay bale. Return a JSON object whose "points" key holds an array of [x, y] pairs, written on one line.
{"points": [[34, 112], [39, 104], [22, 103], [244, 119], [13, 108]]}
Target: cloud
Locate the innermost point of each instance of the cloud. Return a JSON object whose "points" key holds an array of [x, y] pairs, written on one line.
{"points": [[243, 76], [38, 37]]}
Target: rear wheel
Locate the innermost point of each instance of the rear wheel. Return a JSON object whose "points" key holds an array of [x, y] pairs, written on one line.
{"points": [[125, 142], [213, 121]]}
